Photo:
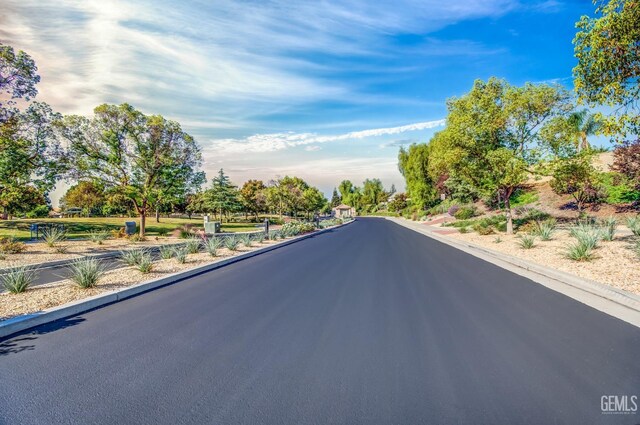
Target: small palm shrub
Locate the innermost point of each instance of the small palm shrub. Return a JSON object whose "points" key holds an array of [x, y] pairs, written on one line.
{"points": [[18, 280], [212, 246], [132, 257], [546, 229], [98, 236], [231, 243], [246, 239], [633, 223], [180, 255], [608, 228], [527, 241], [579, 251], [166, 252], [86, 272], [193, 245], [145, 264], [54, 236]]}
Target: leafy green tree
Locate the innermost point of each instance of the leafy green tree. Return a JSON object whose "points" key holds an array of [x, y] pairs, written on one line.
{"points": [[223, 197], [131, 154], [577, 177], [347, 189], [413, 164], [608, 70], [314, 200], [492, 135], [292, 193], [18, 80], [31, 159], [399, 202], [335, 198], [253, 197], [88, 195]]}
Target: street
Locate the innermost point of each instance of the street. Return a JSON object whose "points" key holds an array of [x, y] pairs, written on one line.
{"points": [[370, 323]]}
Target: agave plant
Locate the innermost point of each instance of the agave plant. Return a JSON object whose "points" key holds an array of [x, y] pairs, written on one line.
{"points": [[546, 229], [86, 272], [54, 236], [231, 243], [259, 237], [246, 239], [145, 264], [212, 246], [579, 251], [132, 257], [633, 223], [180, 255], [193, 245], [19, 280], [98, 236], [527, 241], [166, 252], [608, 228]]}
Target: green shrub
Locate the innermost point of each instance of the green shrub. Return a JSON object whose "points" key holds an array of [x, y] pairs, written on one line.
{"points": [[463, 230], [294, 228], [54, 236], [618, 190], [98, 236], [483, 229], [166, 252], [231, 243], [527, 241], [180, 255], [633, 223], [587, 235], [163, 231], [523, 197], [86, 272], [137, 238], [132, 257], [579, 252], [193, 245], [18, 280], [465, 213], [145, 264], [9, 245], [40, 211]]}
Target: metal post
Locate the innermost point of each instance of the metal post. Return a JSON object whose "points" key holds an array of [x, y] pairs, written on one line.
{"points": [[266, 227]]}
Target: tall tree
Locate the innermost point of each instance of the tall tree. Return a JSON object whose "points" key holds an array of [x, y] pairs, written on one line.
{"points": [[335, 198], [314, 200], [223, 197], [347, 190], [253, 197], [608, 72], [31, 159], [493, 133], [413, 164], [88, 195], [131, 153]]}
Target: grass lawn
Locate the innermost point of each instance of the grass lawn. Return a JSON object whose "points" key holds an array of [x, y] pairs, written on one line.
{"points": [[79, 227]]}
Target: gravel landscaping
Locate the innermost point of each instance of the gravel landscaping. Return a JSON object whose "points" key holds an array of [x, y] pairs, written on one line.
{"points": [[615, 263], [55, 294], [39, 252]]}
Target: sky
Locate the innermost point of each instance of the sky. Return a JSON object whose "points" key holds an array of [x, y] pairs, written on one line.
{"points": [[324, 90]]}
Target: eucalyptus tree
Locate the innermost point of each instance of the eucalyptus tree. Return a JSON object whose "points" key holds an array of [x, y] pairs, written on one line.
{"points": [[608, 71], [134, 155]]}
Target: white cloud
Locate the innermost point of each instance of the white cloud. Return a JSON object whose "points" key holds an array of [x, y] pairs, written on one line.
{"points": [[279, 141], [312, 148]]}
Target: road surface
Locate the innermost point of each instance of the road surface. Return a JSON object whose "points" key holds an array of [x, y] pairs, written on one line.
{"points": [[367, 324]]}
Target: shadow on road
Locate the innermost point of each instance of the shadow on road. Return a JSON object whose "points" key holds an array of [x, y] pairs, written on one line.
{"points": [[20, 342]]}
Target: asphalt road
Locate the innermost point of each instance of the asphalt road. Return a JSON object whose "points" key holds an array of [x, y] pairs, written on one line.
{"points": [[368, 324]]}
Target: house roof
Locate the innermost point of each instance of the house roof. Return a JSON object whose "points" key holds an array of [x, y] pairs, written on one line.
{"points": [[342, 207]]}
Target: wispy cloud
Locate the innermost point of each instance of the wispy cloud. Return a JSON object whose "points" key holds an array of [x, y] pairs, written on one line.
{"points": [[279, 141]]}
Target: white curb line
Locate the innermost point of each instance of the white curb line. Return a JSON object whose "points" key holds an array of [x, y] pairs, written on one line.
{"points": [[615, 302], [24, 322]]}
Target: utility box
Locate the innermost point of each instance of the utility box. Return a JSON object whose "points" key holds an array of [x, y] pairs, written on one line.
{"points": [[212, 227], [130, 227]]}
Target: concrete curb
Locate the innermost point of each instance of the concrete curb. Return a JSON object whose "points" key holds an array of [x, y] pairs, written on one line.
{"points": [[21, 323], [618, 296]]}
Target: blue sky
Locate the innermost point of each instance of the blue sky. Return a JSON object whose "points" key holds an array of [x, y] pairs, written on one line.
{"points": [[320, 89]]}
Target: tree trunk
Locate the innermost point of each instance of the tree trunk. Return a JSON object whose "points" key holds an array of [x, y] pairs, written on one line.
{"points": [[143, 219], [157, 216], [507, 208]]}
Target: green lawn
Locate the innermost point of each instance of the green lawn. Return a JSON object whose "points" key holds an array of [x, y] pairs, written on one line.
{"points": [[79, 227]]}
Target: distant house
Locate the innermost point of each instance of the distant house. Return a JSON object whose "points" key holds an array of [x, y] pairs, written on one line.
{"points": [[342, 211]]}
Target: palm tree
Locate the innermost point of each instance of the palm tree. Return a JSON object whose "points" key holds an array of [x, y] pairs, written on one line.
{"points": [[583, 124]]}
